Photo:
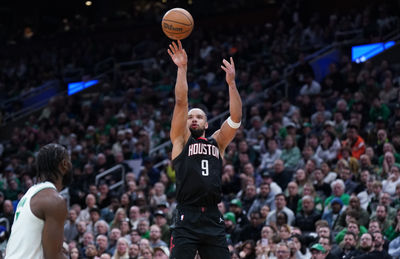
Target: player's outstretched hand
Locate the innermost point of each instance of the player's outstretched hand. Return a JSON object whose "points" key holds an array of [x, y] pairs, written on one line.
{"points": [[178, 54], [229, 69]]}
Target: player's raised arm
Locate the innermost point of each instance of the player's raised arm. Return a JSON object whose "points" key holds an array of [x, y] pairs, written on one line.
{"points": [[228, 129], [179, 131]]}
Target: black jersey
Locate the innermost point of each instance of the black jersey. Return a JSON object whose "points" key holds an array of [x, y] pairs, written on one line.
{"points": [[198, 173]]}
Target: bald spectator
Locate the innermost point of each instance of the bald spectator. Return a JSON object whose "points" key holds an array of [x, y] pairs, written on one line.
{"points": [[90, 202]]}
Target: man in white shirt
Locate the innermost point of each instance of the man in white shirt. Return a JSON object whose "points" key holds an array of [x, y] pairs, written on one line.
{"points": [[280, 205]]}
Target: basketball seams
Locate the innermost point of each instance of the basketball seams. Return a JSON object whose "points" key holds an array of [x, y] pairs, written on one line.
{"points": [[176, 32], [185, 24], [189, 18], [177, 23]]}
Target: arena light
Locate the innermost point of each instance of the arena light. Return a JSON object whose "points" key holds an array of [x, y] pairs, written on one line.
{"points": [[88, 3], [361, 53], [75, 87]]}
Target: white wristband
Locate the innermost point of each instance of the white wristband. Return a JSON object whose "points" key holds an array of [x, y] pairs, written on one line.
{"points": [[232, 124]]}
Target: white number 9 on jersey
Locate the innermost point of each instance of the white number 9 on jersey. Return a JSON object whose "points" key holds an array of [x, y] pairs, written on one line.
{"points": [[204, 167]]}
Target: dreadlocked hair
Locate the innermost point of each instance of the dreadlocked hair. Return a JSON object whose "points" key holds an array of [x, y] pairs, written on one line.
{"points": [[48, 161]]}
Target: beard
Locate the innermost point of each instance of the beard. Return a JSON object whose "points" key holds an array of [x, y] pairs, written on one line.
{"points": [[197, 133], [67, 178], [366, 248]]}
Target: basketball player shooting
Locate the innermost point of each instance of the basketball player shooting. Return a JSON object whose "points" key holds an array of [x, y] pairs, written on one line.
{"points": [[197, 160], [38, 229]]}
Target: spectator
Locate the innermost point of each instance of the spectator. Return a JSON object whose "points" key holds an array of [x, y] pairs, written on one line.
{"points": [[366, 244], [338, 188], [382, 217], [248, 196], [354, 141], [160, 220], [252, 231], [91, 251], [265, 197], [290, 153], [231, 180], [393, 180], [329, 176], [378, 251], [309, 191], [280, 205], [308, 215], [159, 194], [247, 249], [299, 247], [231, 230], [349, 246], [270, 156], [102, 244], [311, 87], [235, 206], [120, 216], [115, 235], [318, 251], [301, 179], [134, 214], [267, 177], [155, 237], [70, 230], [293, 196], [327, 244], [90, 201], [362, 215], [161, 252], [144, 228], [353, 227], [101, 227], [256, 131], [329, 147], [332, 215], [282, 251], [378, 109], [322, 188], [122, 251], [133, 251]]}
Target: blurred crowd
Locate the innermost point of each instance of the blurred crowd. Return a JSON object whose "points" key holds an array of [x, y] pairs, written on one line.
{"points": [[314, 174]]}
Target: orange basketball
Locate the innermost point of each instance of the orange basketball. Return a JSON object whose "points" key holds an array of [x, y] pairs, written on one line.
{"points": [[177, 24]]}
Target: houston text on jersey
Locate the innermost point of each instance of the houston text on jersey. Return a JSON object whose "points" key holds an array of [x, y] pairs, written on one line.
{"points": [[203, 149]]}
